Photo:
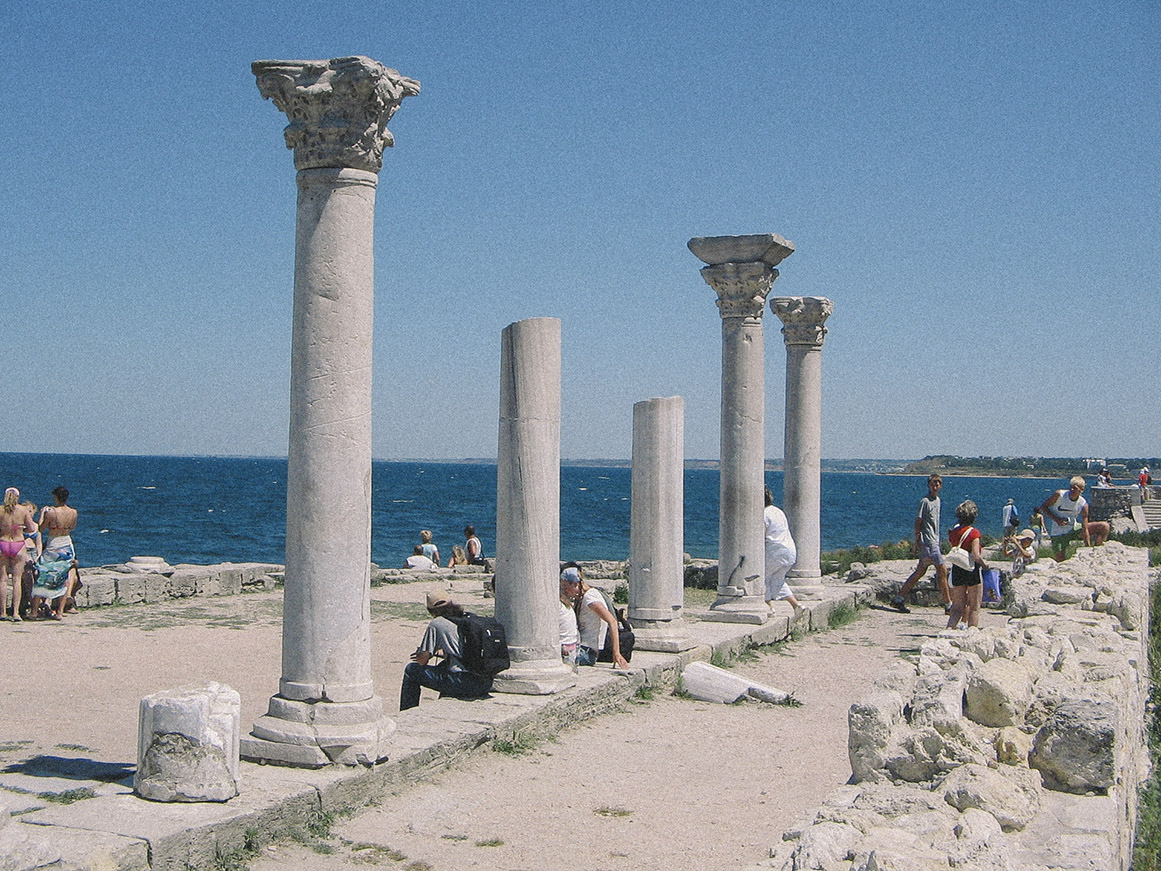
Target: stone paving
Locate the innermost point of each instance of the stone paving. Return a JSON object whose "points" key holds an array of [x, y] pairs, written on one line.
{"points": [[70, 722]]}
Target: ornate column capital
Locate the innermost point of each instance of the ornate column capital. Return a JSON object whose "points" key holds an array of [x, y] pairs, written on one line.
{"points": [[338, 108], [741, 287], [803, 318]]}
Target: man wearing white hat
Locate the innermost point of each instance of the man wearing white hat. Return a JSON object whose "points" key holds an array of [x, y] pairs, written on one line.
{"points": [[449, 677]]}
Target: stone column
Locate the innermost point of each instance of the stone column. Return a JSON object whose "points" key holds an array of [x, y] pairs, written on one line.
{"points": [[803, 319], [741, 270], [528, 508], [656, 526], [326, 710]]}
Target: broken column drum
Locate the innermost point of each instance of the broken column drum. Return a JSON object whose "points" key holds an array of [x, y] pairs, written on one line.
{"points": [[528, 508], [656, 526], [803, 329], [326, 710], [741, 270]]}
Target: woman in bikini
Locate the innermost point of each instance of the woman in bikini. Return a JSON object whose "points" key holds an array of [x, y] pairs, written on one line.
{"points": [[15, 520], [57, 574]]}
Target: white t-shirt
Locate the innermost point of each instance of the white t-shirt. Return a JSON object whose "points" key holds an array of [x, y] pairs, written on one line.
{"points": [[415, 561], [592, 627], [569, 635], [1067, 509], [780, 549]]}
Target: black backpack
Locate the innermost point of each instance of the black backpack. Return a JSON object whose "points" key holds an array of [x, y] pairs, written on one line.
{"points": [[483, 644], [625, 636]]}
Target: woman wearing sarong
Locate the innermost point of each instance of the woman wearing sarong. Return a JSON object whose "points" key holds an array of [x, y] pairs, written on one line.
{"points": [[56, 567]]}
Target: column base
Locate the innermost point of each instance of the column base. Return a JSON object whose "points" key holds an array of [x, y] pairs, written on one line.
{"points": [[536, 677], [662, 636], [316, 734], [808, 584], [738, 609]]}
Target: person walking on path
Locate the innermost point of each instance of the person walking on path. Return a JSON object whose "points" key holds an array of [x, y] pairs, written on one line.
{"points": [[781, 555], [15, 521], [967, 587], [449, 677], [1067, 515], [926, 546]]}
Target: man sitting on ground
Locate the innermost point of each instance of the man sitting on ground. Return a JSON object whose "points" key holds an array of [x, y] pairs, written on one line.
{"points": [[449, 677]]}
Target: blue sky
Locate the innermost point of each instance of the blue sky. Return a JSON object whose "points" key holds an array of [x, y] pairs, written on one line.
{"points": [[976, 187]]}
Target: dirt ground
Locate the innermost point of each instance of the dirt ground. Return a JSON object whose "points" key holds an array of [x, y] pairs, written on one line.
{"points": [[668, 782]]}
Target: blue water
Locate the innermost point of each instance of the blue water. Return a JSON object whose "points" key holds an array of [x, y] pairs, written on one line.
{"points": [[216, 509]]}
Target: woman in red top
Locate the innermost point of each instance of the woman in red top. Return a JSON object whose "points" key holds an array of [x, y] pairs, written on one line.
{"points": [[966, 585]]}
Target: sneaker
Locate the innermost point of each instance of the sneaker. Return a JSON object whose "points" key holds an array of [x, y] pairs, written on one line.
{"points": [[947, 606], [799, 612], [899, 605], [961, 626]]}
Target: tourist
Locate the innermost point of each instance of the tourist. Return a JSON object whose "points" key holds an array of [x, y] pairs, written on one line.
{"points": [[429, 550], [32, 547], [1067, 514], [1144, 479], [458, 557], [1022, 550], [442, 639], [1104, 480], [57, 577], [15, 521], [569, 632], [966, 584], [419, 560], [472, 546], [1010, 518], [926, 547], [595, 622], [1037, 522], [781, 555]]}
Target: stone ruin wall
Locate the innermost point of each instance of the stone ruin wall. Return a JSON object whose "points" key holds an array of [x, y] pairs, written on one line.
{"points": [[1013, 747]]}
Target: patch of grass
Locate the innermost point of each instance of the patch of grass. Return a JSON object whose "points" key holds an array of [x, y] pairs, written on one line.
{"points": [[608, 811], [621, 594], [698, 599], [490, 842], [12, 746], [68, 796], [679, 690], [417, 865], [79, 748], [416, 611], [1147, 849], [374, 854], [842, 614], [645, 693], [839, 561], [519, 744]]}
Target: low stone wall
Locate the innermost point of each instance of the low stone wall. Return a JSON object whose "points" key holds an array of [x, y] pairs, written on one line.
{"points": [[119, 585], [1016, 746]]}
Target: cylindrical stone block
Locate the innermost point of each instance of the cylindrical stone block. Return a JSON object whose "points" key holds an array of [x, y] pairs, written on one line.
{"points": [[656, 531], [801, 482], [326, 650], [528, 507]]}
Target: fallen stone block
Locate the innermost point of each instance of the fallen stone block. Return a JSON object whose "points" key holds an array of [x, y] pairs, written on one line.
{"points": [[187, 748], [1076, 748], [712, 684], [148, 565], [1011, 797], [999, 693]]}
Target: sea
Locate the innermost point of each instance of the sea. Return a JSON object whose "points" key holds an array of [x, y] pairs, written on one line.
{"points": [[206, 510]]}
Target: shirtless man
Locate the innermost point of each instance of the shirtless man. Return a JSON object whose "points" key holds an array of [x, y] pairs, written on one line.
{"points": [[57, 523], [15, 520]]}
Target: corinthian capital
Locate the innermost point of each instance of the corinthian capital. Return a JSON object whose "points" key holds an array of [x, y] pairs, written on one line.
{"points": [[338, 108], [803, 318], [741, 287]]}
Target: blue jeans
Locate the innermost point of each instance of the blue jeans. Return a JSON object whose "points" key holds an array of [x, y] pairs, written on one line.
{"points": [[586, 656], [457, 684]]}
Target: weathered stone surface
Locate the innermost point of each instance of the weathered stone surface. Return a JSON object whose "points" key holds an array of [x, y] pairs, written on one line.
{"points": [[1011, 797], [148, 565], [188, 744], [870, 724], [712, 684], [1067, 595], [1012, 746], [999, 693], [938, 700], [825, 845], [1076, 748], [22, 848]]}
